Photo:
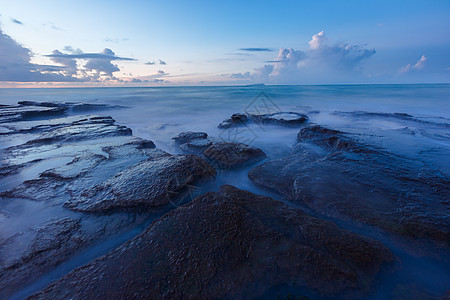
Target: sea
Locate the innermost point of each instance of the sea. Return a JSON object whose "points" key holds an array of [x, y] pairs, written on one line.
{"points": [[411, 121]]}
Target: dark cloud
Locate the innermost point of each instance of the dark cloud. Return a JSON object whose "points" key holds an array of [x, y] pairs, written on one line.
{"points": [[256, 49], [161, 72], [150, 63], [15, 64], [161, 62], [106, 54], [16, 21], [70, 64]]}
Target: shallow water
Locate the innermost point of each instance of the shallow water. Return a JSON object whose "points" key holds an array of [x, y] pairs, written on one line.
{"points": [[158, 114]]}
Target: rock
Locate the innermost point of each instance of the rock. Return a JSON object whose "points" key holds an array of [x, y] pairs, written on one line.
{"points": [[195, 146], [232, 155], [283, 118], [328, 138], [151, 183], [53, 243], [279, 118], [73, 106], [351, 181], [188, 136], [90, 129], [10, 113], [401, 117], [230, 244], [235, 120]]}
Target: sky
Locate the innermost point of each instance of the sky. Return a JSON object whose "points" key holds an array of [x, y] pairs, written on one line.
{"points": [[162, 43]]}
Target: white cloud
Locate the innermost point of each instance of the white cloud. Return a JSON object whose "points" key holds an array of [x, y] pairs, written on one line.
{"points": [[321, 62], [420, 64], [317, 40]]}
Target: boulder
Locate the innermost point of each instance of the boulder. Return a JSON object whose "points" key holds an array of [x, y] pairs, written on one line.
{"points": [[354, 182], [187, 136], [232, 155], [151, 183], [279, 118], [230, 244]]}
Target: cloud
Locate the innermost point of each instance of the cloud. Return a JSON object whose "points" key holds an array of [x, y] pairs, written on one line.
{"points": [[256, 49], [321, 62], [150, 63], [318, 40], [106, 54], [161, 62], [70, 64], [110, 40], [420, 64], [16, 21], [15, 64]]}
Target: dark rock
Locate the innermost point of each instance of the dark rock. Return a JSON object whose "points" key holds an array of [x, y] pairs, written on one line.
{"points": [[284, 118], [280, 118], [188, 136], [195, 146], [12, 113], [151, 183], [235, 120], [348, 180], [52, 243], [74, 106], [328, 138], [393, 116], [232, 155], [88, 130], [230, 244]]}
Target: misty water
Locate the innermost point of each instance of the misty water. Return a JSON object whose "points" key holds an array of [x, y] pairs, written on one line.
{"points": [[370, 113]]}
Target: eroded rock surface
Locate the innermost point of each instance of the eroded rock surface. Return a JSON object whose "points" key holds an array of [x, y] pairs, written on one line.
{"points": [[151, 183], [279, 118], [188, 136], [230, 244], [232, 155], [51, 244], [348, 180]]}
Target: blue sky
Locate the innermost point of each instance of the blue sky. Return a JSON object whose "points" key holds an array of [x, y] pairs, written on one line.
{"points": [[140, 43]]}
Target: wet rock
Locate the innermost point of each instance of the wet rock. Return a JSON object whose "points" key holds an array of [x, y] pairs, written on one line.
{"points": [[10, 113], [393, 116], [73, 106], [351, 181], [89, 130], [187, 136], [329, 138], [230, 244], [232, 155], [284, 118], [195, 146], [151, 183], [235, 120], [280, 118], [51, 244]]}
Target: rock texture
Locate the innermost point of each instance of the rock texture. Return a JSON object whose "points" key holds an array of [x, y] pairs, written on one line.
{"points": [[279, 118], [230, 244], [348, 180], [150, 183], [232, 155], [53, 243]]}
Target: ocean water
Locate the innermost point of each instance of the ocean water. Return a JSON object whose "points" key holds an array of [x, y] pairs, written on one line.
{"points": [[160, 113], [411, 121]]}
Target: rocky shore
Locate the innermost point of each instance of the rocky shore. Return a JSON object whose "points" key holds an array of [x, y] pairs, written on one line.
{"points": [[344, 214]]}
